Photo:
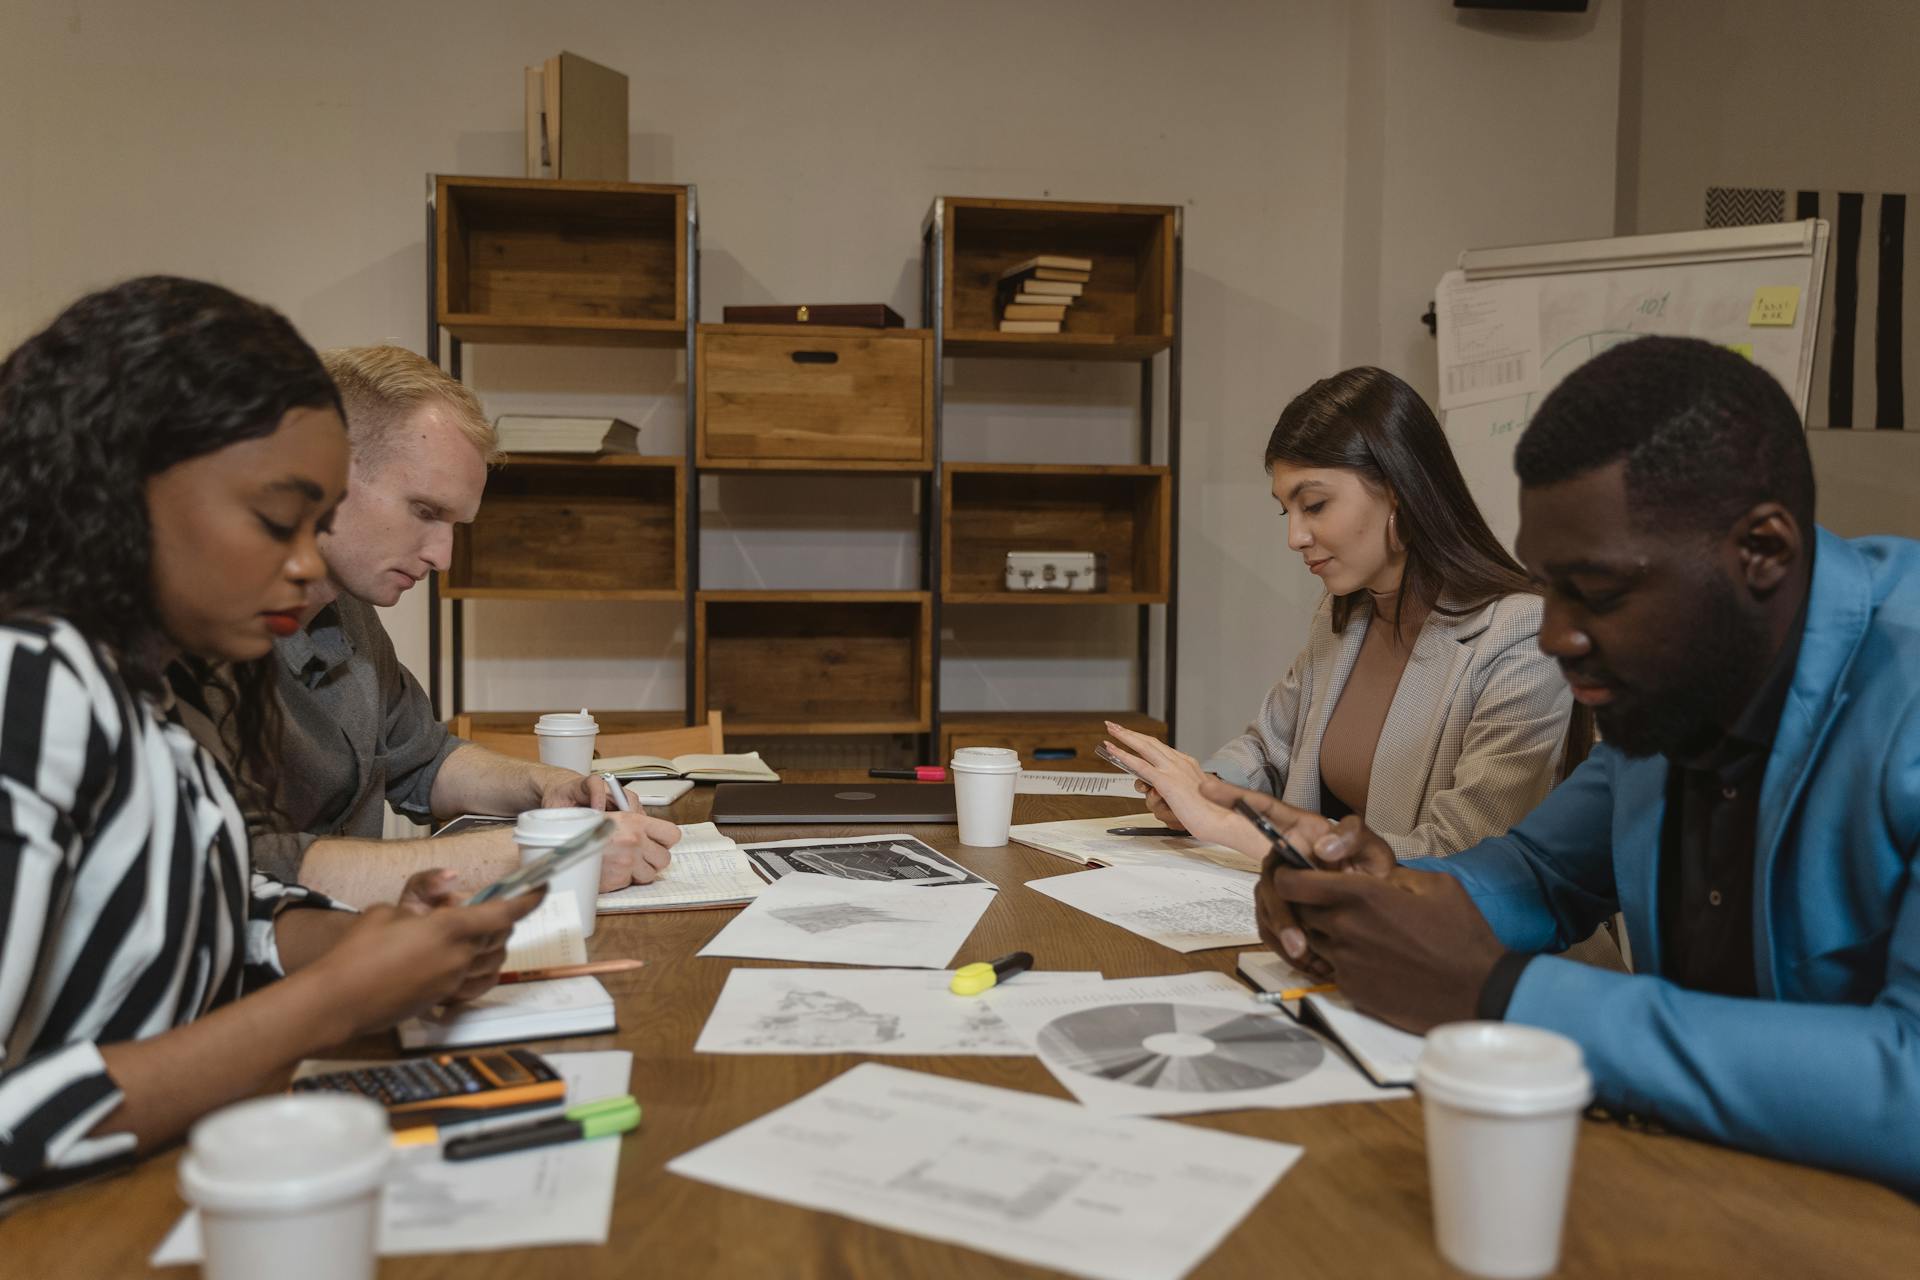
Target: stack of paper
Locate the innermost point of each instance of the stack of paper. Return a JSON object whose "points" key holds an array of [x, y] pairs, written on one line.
{"points": [[707, 870]]}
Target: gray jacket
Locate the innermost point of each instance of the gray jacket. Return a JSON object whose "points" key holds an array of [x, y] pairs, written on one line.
{"points": [[1472, 741]]}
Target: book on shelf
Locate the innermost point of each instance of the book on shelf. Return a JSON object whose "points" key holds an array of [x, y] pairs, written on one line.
{"points": [[1028, 311], [1056, 288], [1080, 268], [1029, 326], [1010, 297], [742, 767], [548, 433], [707, 870], [862, 315]]}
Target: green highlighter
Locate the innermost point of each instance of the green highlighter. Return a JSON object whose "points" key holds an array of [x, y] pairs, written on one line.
{"points": [[606, 1118]]}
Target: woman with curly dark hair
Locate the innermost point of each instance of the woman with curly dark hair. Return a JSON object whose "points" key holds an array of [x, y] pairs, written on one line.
{"points": [[168, 451]]}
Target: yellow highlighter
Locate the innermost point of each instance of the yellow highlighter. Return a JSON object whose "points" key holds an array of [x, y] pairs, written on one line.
{"points": [[972, 979]]}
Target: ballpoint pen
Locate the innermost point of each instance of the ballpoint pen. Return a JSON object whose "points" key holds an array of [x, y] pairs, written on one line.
{"points": [[619, 792]]}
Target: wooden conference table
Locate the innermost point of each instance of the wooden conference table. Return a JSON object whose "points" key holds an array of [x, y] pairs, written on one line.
{"points": [[1354, 1205]]}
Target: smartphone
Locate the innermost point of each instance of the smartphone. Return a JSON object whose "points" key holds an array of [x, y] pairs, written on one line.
{"points": [[532, 875], [1116, 762], [1282, 847]]}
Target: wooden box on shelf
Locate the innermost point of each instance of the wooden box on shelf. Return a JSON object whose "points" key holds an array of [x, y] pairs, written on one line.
{"points": [[989, 509], [539, 261], [1126, 309], [797, 398], [575, 527], [1046, 740], [812, 662]]}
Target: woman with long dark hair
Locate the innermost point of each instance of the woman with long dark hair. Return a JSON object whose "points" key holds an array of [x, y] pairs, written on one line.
{"points": [[1422, 700], [168, 451]]}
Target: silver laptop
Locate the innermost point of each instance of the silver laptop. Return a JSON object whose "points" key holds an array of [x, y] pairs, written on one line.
{"points": [[770, 803]]}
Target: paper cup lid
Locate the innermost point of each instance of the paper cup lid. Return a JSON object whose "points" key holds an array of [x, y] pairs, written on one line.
{"points": [[1503, 1068], [554, 824], [292, 1151], [987, 759], [566, 724]]}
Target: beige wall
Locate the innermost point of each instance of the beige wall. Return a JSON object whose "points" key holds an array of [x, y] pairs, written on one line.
{"points": [[1313, 144], [1818, 96]]}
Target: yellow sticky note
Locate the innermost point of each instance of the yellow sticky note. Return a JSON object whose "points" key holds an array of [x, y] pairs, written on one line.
{"points": [[1774, 306], [1741, 348]]}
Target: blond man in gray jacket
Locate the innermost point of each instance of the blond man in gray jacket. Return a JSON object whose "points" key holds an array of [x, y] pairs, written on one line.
{"points": [[1422, 701]]}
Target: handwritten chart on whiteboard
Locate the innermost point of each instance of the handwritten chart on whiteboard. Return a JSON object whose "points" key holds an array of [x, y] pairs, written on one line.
{"points": [[1492, 379]]}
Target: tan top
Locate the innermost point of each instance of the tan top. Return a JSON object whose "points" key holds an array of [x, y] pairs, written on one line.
{"points": [[1353, 731], [1472, 738]]}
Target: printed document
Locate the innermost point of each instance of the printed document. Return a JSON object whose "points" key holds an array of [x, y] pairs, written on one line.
{"points": [[1011, 1174], [826, 920], [551, 1195], [1489, 334], [1186, 908], [888, 1011], [1177, 1045]]}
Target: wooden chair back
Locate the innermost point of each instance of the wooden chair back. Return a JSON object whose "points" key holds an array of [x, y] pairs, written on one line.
{"points": [[694, 739]]}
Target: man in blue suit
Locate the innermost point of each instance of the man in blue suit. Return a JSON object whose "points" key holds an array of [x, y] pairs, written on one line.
{"points": [[1753, 808]]}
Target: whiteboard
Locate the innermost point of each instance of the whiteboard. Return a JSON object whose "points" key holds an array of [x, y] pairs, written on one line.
{"points": [[1566, 303]]}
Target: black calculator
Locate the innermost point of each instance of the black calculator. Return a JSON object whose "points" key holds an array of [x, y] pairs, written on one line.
{"points": [[451, 1088]]}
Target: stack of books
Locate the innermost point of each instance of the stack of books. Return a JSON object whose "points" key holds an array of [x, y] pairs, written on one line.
{"points": [[1035, 295]]}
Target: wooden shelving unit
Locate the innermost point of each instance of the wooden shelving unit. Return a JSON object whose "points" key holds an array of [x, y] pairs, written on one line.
{"points": [[535, 261], [1129, 311], [815, 662]]}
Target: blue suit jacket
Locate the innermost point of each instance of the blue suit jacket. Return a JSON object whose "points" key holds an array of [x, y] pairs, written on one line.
{"points": [[1824, 1067]]}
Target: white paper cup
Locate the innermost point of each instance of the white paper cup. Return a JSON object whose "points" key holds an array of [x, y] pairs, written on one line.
{"points": [[289, 1187], [566, 739], [539, 830], [983, 785], [1502, 1105]]}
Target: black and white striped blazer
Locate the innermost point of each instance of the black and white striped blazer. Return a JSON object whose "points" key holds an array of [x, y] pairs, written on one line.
{"points": [[127, 902]]}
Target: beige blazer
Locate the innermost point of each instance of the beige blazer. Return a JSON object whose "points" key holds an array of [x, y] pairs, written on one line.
{"points": [[1472, 740]]}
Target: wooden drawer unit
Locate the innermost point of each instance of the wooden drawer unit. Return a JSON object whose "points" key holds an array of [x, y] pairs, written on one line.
{"points": [[1055, 741], [798, 398]]}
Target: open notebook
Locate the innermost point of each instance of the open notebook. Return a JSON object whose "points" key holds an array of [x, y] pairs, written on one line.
{"points": [[1085, 841], [1387, 1054], [525, 1011], [707, 870], [745, 767]]}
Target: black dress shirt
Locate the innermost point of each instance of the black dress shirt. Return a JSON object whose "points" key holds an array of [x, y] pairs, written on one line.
{"points": [[1707, 852]]}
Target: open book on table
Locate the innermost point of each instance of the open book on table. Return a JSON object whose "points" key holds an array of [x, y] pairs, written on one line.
{"points": [[1087, 842], [1386, 1053], [746, 767]]}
